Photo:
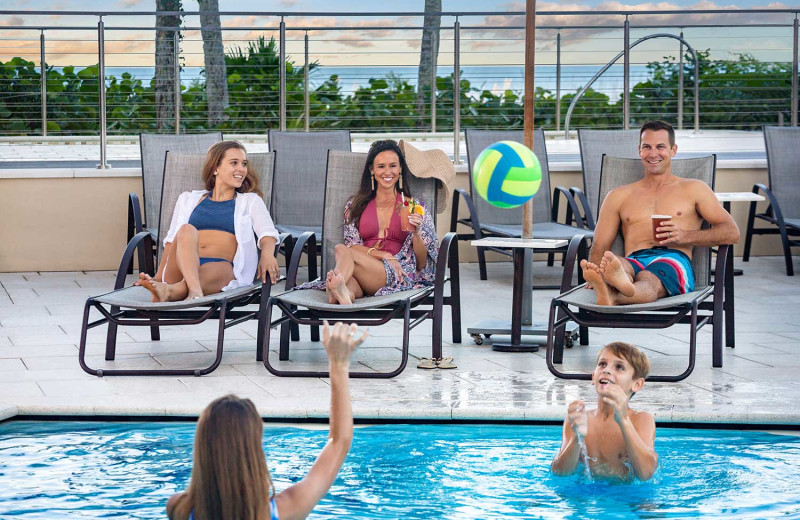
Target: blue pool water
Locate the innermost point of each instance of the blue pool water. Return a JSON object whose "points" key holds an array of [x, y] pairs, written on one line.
{"points": [[128, 470]]}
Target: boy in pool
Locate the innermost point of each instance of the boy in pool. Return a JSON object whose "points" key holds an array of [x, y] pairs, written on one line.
{"points": [[619, 440]]}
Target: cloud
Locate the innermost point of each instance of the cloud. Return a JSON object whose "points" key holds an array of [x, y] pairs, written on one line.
{"points": [[12, 20], [125, 4]]}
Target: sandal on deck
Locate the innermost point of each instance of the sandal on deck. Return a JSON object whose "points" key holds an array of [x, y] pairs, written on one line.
{"points": [[427, 363], [446, 363]]}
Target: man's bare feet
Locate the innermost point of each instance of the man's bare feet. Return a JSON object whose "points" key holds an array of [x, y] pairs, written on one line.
{"points": [[339, 289], [331, 298], [614, 274], [605, 295], [159, 289], [589, 266]]}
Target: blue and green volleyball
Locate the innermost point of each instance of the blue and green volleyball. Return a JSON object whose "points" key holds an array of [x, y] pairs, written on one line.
{"points": [[507, 174]]}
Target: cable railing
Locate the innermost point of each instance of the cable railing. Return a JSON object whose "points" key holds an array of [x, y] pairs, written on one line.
{"points": [[363, 72]]}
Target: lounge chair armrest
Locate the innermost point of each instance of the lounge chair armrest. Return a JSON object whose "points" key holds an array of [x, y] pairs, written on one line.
{"points": [[141, 239], [721, 270], [577, 247], [588, 217], [572, 206], [774, 207], [307, 238], [448, 256]]}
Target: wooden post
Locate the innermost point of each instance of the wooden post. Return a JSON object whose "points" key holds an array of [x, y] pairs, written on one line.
{"points": [[530, 60]]}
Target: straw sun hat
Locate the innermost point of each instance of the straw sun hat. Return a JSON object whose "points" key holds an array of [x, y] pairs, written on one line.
{"points": [[431, 163]]}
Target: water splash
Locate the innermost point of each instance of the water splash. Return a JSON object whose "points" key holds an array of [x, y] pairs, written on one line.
{"points": [[582, 431]]}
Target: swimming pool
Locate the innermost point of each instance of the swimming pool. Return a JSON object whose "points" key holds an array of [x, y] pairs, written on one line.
{"points": [[128, 470]]}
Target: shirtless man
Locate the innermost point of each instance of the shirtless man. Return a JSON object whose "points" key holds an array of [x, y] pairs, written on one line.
{"points": [[618, 441], [660, 265]]}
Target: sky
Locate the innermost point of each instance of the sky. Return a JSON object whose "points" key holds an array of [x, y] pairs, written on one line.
{"points": [[359, 46]]}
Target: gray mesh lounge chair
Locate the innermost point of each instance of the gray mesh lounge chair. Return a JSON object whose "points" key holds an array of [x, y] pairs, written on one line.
{"points": [[487, 220], [783, 194], [133, 306], [702, 306], [594, 144], [153, 148], [310, 306]]}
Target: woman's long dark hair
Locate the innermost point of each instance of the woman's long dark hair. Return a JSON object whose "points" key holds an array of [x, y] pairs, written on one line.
{"points": [[359, 201]]}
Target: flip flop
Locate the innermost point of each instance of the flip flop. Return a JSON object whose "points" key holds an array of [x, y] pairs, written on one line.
{"points": [[427, 363], [446, 363]]}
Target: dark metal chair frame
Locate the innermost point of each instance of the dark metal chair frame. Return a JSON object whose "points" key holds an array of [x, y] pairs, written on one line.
{"points": [[711, 303], [417, 305], [773, 214], [476, 205]]}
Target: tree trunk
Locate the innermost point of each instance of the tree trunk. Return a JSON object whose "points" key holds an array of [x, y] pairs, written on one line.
{"points": [[214, 56], [164, 81], [429, 51]]}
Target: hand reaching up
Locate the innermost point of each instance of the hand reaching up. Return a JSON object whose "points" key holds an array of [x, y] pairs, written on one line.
{"points": [[340, 342]]}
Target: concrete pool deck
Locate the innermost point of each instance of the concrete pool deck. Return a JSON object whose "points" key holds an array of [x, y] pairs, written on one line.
{"points": [[40, 316]]}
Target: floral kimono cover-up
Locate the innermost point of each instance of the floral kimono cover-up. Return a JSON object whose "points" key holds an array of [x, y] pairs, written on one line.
{"points": [[413, 279]]}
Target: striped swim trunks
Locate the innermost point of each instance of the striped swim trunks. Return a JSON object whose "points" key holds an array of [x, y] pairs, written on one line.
{"points": [[672, 267]]}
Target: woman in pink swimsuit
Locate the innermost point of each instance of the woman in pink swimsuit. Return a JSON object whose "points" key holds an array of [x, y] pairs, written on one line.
{"points": [[377, 257]]}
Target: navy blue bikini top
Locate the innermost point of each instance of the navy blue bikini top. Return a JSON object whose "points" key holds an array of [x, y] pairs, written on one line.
{"points": [[210, 214]]}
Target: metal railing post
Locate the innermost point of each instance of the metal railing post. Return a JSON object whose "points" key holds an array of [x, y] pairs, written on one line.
{"points": [[626, 76], [306, 99], [101, 88], [680, 85], [696, 92], [434, 62], [44, 84], [794, 72], [558, 81], [177, 78], [282, 75], [456, 92]]}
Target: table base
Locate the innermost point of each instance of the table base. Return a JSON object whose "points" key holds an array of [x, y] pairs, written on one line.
{"points": [[503, 328]]}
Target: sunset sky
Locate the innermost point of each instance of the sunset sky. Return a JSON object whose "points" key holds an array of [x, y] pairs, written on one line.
{"points": [[387, 46]]}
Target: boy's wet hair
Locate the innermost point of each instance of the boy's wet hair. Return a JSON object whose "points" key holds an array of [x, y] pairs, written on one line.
{"points": [[631, 354]]}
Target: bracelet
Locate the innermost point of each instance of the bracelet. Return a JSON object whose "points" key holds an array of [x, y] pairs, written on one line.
{"points": [[370, 250]]}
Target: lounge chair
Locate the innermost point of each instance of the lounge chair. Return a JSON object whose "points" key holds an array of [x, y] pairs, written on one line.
{"points": [[310, 306], [707, 304], [133, 306], [594, 144], [486, 220], [783, 193]]}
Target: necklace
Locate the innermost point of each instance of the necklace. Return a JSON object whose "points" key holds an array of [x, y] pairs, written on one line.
{"points": [[384, 206]]}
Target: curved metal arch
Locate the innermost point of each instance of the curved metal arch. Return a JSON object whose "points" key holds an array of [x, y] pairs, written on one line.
{"points": [[612, 62]]}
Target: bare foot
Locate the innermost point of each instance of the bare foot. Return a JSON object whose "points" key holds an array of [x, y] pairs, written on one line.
{"points": [[339, 289], [589, 266], [331, 298], [614, 274], [605, 294], [193, 296], [159, 289]]}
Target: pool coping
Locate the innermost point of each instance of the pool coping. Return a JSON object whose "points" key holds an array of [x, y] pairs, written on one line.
{"points": [[489, 415]]}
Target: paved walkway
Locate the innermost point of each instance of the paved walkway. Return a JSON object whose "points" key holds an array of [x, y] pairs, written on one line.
{"points": [[40, 317]]}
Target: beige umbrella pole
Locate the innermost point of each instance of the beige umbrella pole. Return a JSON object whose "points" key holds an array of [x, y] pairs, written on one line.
{"points": [[530, 60]]}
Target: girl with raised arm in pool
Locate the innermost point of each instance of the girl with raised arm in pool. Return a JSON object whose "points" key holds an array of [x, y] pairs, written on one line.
{"points": [[211, 243], [230, 479]]}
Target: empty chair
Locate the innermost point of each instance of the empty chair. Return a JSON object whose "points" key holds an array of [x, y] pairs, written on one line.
{"points": [[487, 220], [783, 193], [594, 144]]}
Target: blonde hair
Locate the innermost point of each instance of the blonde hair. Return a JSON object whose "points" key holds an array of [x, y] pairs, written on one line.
{"points": [[230, 478], [214, 158], [631, 354]]}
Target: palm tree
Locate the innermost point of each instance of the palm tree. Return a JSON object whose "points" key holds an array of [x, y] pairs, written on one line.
{"points": [[164, 81], [429, 51], [214, 56]]}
